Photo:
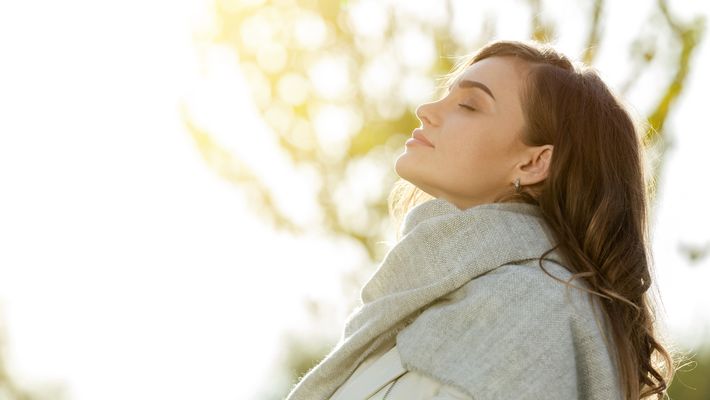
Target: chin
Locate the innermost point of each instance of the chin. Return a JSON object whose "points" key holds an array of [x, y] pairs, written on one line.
{"points": [[404, 168], [410, 172]]}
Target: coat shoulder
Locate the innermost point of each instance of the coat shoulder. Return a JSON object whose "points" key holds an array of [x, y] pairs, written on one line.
{"points": [[515, 329], [535, 286]]}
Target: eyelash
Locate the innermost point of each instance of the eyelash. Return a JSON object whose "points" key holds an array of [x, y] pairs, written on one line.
{"points": [[467, 107]]}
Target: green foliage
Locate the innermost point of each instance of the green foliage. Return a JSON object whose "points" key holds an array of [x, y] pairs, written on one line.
{"points": [[692, 382]]}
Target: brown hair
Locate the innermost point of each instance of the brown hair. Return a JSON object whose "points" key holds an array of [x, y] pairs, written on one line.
{"points": [[594, 199]]}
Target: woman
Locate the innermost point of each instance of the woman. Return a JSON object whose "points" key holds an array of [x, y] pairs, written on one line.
{"points": [[522, 263]]}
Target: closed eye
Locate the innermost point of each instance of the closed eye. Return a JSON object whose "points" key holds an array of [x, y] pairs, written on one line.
{"points": [[467, 107]]}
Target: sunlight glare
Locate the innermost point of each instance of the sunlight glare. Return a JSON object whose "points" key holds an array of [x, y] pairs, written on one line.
{"points": [[367, 18], [309, 30], [330, 76], [334, 125], [415, 48], [271, 57], [293, 88], [379, 74]]}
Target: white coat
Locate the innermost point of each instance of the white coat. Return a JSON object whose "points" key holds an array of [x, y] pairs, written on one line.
{"points": [[463, 296], [381, 377]]}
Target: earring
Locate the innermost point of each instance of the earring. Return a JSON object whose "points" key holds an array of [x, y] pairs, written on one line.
{"points": [[517, 185]]}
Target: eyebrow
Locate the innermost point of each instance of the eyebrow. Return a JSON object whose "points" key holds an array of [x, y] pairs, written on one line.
{"points": [[469, 84]]}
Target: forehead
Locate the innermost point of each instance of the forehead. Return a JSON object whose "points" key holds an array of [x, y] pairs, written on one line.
{"points": [[503, 75]]}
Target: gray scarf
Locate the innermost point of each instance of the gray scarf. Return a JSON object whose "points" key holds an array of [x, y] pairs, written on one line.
{"points": [[463, 293]]}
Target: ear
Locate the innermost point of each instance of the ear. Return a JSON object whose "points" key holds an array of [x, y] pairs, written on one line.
{"points": [[537, 165]]}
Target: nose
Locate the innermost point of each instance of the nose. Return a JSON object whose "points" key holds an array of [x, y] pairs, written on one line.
{"points": [[424, 114]]}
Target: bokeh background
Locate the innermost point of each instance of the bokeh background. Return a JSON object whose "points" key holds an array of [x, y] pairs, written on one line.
{"points": [[192, 192]]}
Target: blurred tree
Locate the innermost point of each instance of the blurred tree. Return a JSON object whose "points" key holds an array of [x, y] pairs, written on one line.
{"points": [[335, 85]]}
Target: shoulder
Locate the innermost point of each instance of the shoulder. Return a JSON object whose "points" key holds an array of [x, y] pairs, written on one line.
{"points": [[530, 271], [509, 302], [523, 287], [513, 332], [502, 333], [490, 314]]}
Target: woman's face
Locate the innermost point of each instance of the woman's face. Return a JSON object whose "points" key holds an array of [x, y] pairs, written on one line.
{"points": [[477, 153]]}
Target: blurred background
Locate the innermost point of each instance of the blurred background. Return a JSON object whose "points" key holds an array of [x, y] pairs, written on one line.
{"points": [[192, 192]]}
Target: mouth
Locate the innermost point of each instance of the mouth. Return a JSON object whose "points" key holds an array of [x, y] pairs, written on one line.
{"points": [[419, 136]]}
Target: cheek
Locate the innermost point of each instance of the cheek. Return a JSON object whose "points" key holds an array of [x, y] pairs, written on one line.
{"points": [[471, 152]]}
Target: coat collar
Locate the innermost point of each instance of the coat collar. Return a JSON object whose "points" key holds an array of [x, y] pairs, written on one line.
{"points": [[438, 207], [443, 245]]}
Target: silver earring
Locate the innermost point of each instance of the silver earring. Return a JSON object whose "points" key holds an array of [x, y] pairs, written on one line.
{"points": [[517, 185]]}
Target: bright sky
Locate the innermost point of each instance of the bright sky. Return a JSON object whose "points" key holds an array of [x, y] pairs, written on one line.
{"points": [[131, 270]]}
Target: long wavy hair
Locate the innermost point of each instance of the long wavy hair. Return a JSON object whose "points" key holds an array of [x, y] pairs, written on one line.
{"points": [[595, 199]]}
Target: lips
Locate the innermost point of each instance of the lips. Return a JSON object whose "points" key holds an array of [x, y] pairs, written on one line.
{"points": [[420, 136]]}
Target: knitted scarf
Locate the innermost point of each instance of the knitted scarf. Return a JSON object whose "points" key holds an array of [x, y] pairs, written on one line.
{"points": [[463, 293]]}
